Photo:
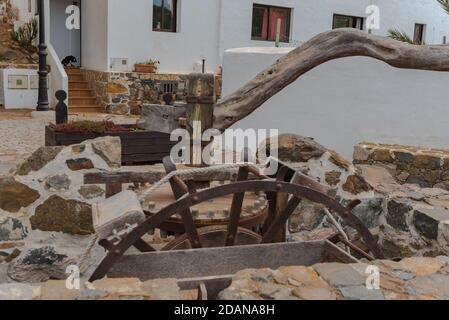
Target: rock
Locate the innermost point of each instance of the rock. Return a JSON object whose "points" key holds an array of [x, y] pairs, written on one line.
{"points": [[356, 184], [333, 178], [307, 216], [16, 253], [307, 293], [427, 221], [61, 215], [361, 154], [119, 109], [424, 161], [92, 294], [442, 185], [361, 293], [369, 211], [123, 285], [80, 164], [160, 118], [79, 148], [339, 161], [397, 214], [58, 182], [403, 158], [271, 291], [56, 290], [40, 265], [421, 266], [436, 285], [293, 148], [304, 276], [162, 289], [17, 291], [339, 275], [444, 259], [109, 149], [443, 236], [382, 155], [12, 229], [39, 159], [15, 195], [91, 192]]}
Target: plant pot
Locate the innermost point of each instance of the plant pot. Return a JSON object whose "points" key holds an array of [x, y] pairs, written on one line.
{"points": [[145, 68]]}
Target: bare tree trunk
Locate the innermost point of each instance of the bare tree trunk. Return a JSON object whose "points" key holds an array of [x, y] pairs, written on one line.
{"points": [[324, 47]]}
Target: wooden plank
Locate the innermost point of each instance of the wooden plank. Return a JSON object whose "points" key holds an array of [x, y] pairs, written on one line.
{"points": [[200, 263]]}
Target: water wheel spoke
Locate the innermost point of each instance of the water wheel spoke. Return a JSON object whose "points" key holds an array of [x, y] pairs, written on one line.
{"points": [[236, 209], [281, 220]]}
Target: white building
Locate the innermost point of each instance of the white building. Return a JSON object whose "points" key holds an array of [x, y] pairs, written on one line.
{"points": [[193, 30]]}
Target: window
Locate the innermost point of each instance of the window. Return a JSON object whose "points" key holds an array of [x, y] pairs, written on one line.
{"points": [[419, 33], [164, 15], [265, 21], [342, 21]]}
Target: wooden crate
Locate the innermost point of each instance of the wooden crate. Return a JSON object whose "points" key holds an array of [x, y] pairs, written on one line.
{"points": [[141, 147]]}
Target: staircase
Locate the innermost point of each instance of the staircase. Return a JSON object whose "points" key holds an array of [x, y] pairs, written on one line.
{"points": [[81, 98]]}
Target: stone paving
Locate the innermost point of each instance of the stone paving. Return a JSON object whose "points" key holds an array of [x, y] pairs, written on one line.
{"points": [[409, 279]]}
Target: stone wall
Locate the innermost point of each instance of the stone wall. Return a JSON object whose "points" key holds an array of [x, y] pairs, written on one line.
{"points": [[126, 92], [428, 168]]}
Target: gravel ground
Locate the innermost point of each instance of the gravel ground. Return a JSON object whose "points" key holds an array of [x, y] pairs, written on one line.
{"points": [[22, 132]]}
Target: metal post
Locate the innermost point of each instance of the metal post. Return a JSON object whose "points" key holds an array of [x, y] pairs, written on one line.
{"points": [[42, 104], [278, 32]]}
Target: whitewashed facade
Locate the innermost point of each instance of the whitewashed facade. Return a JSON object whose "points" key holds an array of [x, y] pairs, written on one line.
{"points": [[116, 30]]}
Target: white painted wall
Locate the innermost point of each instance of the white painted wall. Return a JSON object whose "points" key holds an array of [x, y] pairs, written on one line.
{"points": [[131, 35], [27, 9], [18, 98], [207, 28], [347, 101], [94, 40]]}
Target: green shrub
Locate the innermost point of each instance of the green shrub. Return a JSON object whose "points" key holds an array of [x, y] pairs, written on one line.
{"points": [[26, 35]]}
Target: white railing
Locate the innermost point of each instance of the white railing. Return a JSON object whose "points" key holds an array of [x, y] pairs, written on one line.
{"points": [[58, 77]]}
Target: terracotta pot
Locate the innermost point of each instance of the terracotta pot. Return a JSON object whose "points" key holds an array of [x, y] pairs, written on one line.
{"points": [[145, 68]]}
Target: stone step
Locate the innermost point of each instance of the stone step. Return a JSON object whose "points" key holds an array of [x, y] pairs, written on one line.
{"points": [[76, 77], [75, 85], [75, 93], [82, 100], [72, 71], [73, 109]]}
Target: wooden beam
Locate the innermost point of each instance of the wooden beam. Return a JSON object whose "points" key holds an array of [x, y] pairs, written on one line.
{"points": [[325, 47]]}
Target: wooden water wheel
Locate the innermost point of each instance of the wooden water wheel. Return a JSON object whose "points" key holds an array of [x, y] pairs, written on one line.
{"points": [[287, 184]]}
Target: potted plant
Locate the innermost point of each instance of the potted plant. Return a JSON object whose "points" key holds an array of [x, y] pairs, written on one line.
{"points": [[149, 66]]}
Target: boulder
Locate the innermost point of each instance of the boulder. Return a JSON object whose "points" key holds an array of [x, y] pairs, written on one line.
{"points": [[160, 118], [80, 164], [91, 192], [427, 221], [109, 149], [12, 229], [39, 159], [15, 195], [58, 182], [356, 184], [293, 148], [60, 215], [40, 265]]}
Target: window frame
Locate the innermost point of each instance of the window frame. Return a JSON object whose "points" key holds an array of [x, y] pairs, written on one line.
{"points": [[336, 15], [174, 29], [423, 33], [269, 7]]}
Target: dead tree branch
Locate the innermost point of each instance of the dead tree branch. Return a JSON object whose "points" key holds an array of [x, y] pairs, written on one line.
{"points": [[324, 47]]}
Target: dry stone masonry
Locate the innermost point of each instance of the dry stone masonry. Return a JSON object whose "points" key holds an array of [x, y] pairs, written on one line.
{"points": [[428, 168]]}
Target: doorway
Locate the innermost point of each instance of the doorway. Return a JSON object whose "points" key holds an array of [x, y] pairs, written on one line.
{"points": [[66, 41]]}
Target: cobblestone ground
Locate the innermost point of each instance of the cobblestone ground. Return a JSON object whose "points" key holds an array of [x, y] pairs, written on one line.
{"points": [[22, 132]]}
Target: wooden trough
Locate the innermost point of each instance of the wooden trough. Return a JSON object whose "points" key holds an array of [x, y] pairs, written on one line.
{"points": [[214, 267]]}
